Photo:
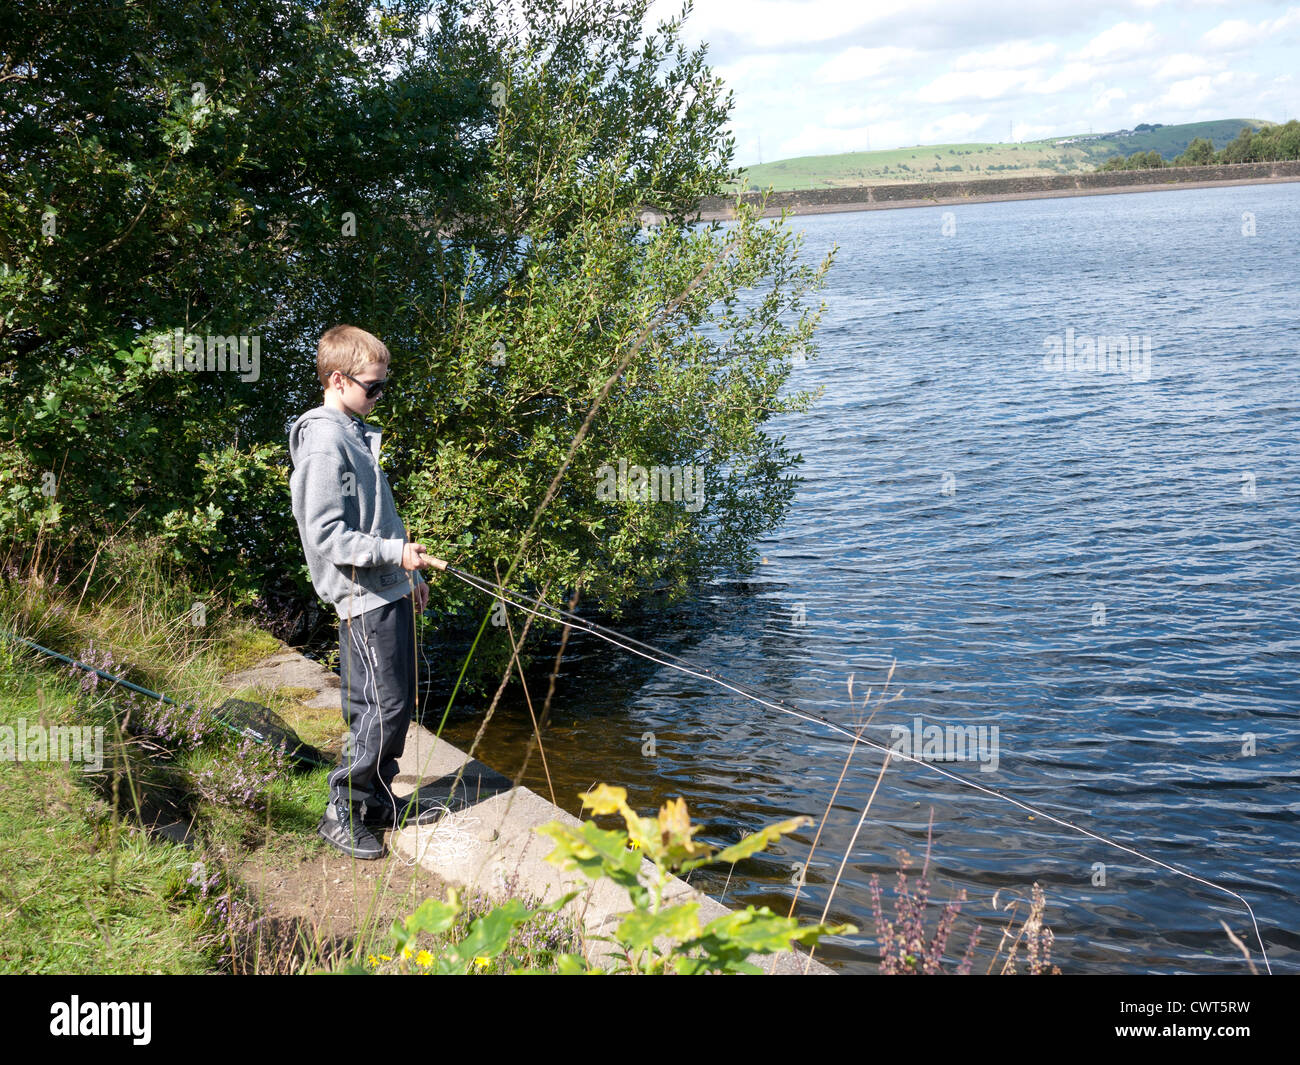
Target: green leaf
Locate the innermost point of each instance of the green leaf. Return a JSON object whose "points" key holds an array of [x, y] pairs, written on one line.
{"points": [[612, 848], [489, 934], [759, 840], [639, 930], [753, 931], [433, 916]]}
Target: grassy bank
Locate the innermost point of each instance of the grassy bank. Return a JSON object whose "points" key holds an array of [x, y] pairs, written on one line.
{"points": [[90, 881], [83, 890]]}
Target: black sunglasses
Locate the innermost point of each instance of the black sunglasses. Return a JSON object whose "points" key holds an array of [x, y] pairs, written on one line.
{"points": [[372, 390]]}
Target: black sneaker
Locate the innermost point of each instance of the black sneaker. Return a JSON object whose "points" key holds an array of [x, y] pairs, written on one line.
{"points": [[411, 810], [343, 826]]}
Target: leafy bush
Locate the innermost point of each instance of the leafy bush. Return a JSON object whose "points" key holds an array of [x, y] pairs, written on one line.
{"points": [[652, 938], [655, 938], [465, 182]]}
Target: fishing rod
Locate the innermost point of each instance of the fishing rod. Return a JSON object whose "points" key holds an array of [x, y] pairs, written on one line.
{"points": [[550, 612], [302, 752]]}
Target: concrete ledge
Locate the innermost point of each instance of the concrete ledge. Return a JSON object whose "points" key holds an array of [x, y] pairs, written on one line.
{"points": [[289, 669], [444, 771], [493, 847], [488, 842]]}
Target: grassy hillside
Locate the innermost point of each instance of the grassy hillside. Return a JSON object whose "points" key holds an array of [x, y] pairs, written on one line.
{"points": [[953, 162], [1169, 141]]}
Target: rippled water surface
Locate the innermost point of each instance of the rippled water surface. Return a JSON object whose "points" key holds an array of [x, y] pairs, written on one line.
{"points": [[1101, 565]]}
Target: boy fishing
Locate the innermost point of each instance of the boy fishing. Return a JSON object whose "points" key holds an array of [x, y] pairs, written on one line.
{"points": [[362, 564]]}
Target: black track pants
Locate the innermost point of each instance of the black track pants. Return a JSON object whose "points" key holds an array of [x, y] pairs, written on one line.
{"points": [[377, 679]]}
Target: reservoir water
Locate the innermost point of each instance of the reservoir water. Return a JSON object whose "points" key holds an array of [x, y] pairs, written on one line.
{"points": [[1100, 563]]}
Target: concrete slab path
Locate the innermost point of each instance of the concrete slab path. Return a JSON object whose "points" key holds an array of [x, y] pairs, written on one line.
{"points": [[488, 841]]}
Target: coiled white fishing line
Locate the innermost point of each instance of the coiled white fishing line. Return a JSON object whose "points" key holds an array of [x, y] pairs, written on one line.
{"points": [[448, 841]]}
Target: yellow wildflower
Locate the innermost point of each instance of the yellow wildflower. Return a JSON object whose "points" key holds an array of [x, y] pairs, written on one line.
{"points": [[424, 958]]}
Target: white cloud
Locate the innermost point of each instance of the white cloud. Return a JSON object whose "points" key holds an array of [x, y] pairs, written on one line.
{"points": [[841, 117], [854, 64], [974, 85], [1231, 34], [1023, 131], [1011, 54], [1284, 22], [1189, 93], [1122, 40], [1237, 33], [1193, 92], [1103, 101], [782, 24], [888, 134], [957, 127], [759, 69], [991, 84], [820, 140], [760, 83], [1069, 76], [1187, 65]]}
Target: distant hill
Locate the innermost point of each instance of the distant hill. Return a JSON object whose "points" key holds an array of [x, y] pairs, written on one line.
{"points": [[1169, 141], [951, 162]]}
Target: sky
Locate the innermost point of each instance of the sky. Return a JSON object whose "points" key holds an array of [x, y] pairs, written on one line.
{"points": [[814, 77]]}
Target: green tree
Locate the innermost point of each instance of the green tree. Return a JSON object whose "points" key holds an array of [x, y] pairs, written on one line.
{"points": [[1288, 140], [1199, 153], [1242, 150], [594, 126], [470, 185], [186, 166], [1265, 145]]}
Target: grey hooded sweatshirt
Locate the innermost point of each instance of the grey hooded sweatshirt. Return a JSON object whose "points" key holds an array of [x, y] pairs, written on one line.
{"points": [[346, 517]]}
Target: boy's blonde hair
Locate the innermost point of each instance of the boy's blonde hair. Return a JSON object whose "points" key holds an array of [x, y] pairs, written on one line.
{"points": [[350, 350]]}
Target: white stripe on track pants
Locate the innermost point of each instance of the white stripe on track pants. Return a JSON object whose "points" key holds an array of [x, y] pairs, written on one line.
{"points": [[377, 682]]}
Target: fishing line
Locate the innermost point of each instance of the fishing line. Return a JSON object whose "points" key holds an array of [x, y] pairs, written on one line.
{"points": [[545, 610]]}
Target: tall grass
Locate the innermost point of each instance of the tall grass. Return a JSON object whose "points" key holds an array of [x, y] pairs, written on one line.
{"points": [[80, 843], [78, 856]]}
